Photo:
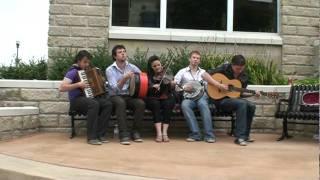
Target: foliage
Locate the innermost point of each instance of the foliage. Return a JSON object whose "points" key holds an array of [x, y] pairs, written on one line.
{"points": [[64, 58], [34, 69], [311, 81], [260, 69]]}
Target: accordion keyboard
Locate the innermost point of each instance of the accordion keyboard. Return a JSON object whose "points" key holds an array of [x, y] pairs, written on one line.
{"points": [[83, 77]]}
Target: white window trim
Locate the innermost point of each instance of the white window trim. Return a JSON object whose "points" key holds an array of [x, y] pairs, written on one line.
{"points": [[187, 35]]}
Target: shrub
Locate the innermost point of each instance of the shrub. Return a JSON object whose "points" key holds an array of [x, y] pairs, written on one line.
{"points": [[311, 81], [34, 69], [62, 61], [260, 70]]}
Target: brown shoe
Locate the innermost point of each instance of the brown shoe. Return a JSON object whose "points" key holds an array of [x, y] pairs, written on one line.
{"points": [[165, 138], [159, 139]]}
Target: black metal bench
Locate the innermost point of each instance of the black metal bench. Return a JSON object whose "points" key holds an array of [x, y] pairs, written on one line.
{"points": [[290, 109], [177, 115]]}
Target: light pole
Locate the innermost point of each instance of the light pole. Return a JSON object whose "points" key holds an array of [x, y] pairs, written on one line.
{"points": [[17, 58]]}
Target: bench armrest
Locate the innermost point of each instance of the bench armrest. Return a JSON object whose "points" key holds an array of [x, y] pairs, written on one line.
{"points": [[281, 103]]}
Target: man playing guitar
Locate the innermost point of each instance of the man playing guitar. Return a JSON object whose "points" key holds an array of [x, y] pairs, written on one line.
{"points": [[244, 109], [118, 75], [193, 73]]}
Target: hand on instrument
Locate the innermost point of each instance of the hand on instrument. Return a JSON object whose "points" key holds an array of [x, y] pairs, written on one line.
{"points": [[188, 88], [156, 86], [128, 75], [223, 87], [82, 85], [258, 94]]}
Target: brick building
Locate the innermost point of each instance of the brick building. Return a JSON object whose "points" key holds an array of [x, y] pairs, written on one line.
{"points": [[285, 30]]}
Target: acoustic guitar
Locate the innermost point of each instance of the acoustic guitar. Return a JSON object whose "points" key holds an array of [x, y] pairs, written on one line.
{"points": [[235, 88]]}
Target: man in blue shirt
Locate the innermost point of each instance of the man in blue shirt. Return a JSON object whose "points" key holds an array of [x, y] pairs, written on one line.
{"points": [[118, 75]]}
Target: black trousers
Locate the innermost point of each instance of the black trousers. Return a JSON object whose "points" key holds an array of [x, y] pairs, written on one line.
{"points": [[121, 103], [161, 109], [98, 112]]}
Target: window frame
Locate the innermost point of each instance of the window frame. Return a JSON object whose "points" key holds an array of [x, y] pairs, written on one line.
{"points": [[163, 33]]}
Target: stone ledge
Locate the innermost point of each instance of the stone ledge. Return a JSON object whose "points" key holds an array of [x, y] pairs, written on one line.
{"points": [[40, 84], [47, 84], [18, 111]]}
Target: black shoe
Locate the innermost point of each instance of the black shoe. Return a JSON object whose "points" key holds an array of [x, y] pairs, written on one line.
{"points": [[103, 140], [240, 142], [125, 140], [94, 142], [136, 137]]}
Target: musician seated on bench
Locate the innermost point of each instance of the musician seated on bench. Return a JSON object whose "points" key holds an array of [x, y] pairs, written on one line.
{"points": [[190, 79], [119, 75], [244, 109], [160, 99], [98, 109]]}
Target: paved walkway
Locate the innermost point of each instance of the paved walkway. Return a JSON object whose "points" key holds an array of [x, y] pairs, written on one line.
{"points": [[265, 159]]}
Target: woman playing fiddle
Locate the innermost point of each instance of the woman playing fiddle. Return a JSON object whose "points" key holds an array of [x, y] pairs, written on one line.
{"points": [[160, 99]]}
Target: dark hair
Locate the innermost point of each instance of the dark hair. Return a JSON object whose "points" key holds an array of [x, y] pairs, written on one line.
{"points": [[81, 54], [194, 52], [150, 61], [114, 50], [238, 60]]}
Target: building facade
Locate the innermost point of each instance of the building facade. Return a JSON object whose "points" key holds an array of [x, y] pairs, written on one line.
{"points": [[286, 31]]}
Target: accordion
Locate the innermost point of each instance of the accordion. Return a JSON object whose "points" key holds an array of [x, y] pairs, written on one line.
{"points": [[94, 78]]}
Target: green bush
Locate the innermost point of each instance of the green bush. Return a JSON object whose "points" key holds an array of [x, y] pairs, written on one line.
{"points": [[34, 69], [311, 81], [260, 70], [62, 61]]}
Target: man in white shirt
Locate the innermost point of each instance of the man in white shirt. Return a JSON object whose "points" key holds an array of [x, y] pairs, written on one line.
{"points": [[118, 75], [194, 73]]}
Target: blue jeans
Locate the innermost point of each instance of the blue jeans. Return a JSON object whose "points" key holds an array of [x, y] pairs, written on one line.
{"points": [[244, 115], [187, 107]]}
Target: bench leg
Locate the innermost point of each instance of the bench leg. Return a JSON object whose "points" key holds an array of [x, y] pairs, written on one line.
{"points": [[73, 131], [231, 133], [285, 134]]}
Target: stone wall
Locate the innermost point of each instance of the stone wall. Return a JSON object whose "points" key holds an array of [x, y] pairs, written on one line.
{"points": [[299, 31], [78, 24], [53, 108], [85, 24], [16, 122]]}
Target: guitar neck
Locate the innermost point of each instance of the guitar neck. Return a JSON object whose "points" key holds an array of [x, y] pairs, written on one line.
{"points": [[243, 90]]}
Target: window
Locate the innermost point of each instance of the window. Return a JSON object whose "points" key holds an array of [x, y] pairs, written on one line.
{"points": [[191, 14], [210, 15], [136, 13], [255, 15]]}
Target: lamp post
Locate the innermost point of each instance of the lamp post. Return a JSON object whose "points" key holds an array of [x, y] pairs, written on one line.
{"points": [[17, 57]]}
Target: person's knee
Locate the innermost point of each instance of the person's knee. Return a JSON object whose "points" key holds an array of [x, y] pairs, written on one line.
{"points": [[92, 104], [139, 104], [185, 105], [119, 102]]}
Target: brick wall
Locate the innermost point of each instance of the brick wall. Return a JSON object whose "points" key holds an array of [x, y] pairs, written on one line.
{"points": [[299, 31], [77, 23]]}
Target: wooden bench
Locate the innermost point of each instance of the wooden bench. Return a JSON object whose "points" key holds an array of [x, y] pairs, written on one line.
{"points": [[176, 116], [290, 109]]}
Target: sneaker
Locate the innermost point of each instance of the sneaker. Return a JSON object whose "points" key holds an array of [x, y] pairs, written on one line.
{"points": [[250, 140], [103, 140], [210, 140], [240, 142], [94, 142], [136, 137], [125, 141], [190, 139]]}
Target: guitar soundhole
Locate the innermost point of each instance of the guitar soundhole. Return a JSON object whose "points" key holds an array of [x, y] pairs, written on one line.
{"points": [[231, 87]]}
